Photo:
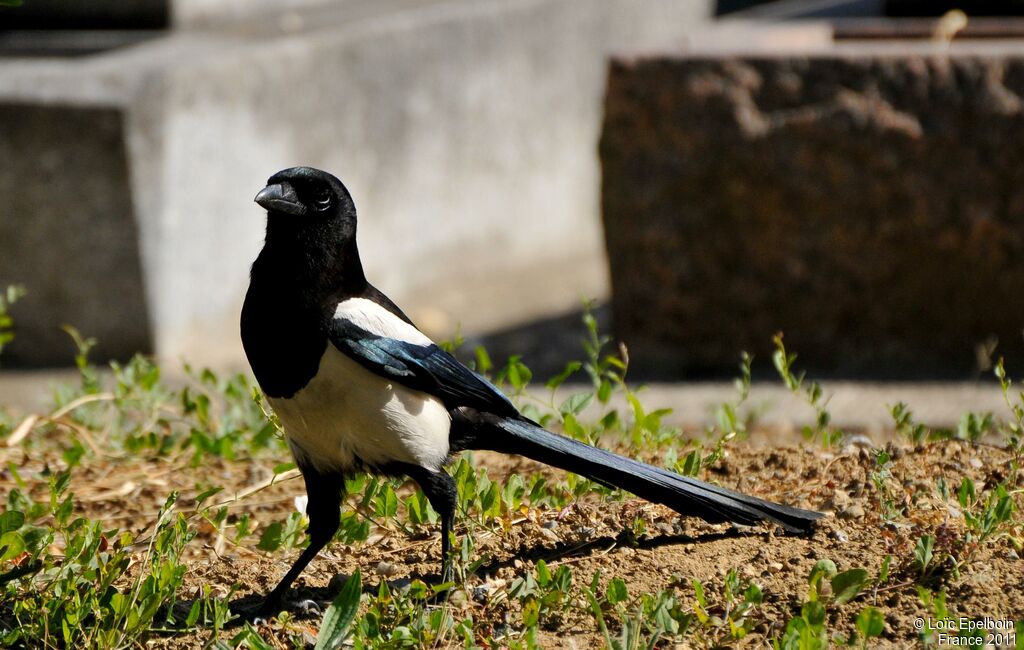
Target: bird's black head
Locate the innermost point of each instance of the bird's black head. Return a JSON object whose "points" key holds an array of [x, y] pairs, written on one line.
{"points": [[311, 233], [306, 194]]}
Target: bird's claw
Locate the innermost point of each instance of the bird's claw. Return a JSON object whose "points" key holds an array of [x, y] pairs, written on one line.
{"points": [[255, 614]]}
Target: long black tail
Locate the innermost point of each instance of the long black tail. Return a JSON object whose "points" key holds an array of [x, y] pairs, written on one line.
{"points": [[687, 496]]}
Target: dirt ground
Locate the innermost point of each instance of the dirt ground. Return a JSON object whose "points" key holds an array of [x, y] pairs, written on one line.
{"points": [[590, 535]]}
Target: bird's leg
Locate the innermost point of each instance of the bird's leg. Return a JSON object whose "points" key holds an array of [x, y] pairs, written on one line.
{"points": [[442, 493], [324, 491], [444, 501]]}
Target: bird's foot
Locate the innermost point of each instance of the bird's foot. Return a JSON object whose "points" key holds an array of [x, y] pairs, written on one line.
{"points": [[256, 613], [267, 610], [261, 611], [273, 605]]}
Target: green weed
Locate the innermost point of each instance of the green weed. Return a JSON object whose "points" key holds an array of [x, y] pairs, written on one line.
{"points": [[8, 297], [812, 393], [68, 580], [809, 630], [645, 621]]}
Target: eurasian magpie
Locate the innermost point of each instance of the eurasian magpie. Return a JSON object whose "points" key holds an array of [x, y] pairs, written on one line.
{"points": [[358, 387]]}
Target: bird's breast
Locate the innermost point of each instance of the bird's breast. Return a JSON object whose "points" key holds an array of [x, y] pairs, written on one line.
{"points": [[347, 415]]}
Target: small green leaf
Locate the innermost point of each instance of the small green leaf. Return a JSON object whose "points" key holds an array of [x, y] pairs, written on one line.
{"points": [[966, 493], [11, 545], [573, 428], [414, 509], [698, 590], [617, 591], [543, 573], [206, 494], [251, 638], [281, 468], [270, 540], [814, 612], [490, 501], [60, 482], [923, 551], [883, 574], [518, 374], [483, 360], [11, 520], [337, 622], [753, 594], [575, 403], [531, 612], [390, 502], [193, 612], [870, 623], [846, 585], [560, 378], [691, 464], [822, 568]]}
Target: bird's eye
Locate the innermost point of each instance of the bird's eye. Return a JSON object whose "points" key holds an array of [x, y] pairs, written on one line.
{"points": [[323, 199]]}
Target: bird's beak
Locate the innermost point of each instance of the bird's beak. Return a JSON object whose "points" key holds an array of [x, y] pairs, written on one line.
{"points": [[280, 197]]}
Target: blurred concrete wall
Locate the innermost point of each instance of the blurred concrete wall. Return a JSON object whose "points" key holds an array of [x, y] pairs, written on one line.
{"points": [[466, 131]]}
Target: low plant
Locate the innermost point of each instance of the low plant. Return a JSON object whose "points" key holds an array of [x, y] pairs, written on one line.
{"points": [[906, 427], [644, 622], [10, 295], [543, 595], [99, 589], [889, 498], [809, 630], [811, 392], [730, 618]]}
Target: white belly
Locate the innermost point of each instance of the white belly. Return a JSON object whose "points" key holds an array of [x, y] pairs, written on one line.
{"points": [[348, 414]]}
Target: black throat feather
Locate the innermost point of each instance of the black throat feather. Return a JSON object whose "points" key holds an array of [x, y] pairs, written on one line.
{"points": [[303, 271]]}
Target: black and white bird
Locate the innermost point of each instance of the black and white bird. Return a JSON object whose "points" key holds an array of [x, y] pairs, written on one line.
{"points": [[358, 387]]}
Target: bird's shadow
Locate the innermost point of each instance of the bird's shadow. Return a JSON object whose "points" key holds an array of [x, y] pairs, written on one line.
{"points": [[626, 538], [308, 603]]}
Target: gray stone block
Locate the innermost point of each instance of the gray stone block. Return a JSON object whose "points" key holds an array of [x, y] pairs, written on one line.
{"points": [[465, 130], [867, 201], [142, 14], [68, 233]]}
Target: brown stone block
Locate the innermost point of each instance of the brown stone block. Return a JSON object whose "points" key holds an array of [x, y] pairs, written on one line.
{"points": [[870, 207]]}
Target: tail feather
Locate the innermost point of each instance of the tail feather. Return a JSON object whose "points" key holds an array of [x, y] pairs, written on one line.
{"points": [[683, 494]]}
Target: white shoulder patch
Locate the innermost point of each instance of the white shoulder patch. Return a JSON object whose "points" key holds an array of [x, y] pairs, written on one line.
{"points": [[373, 318]]}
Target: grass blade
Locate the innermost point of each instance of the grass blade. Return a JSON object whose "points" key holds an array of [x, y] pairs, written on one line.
{"points": [[337, 622]]}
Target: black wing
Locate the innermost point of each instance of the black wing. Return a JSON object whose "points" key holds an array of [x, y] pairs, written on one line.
{"points": [[426, 368]]}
